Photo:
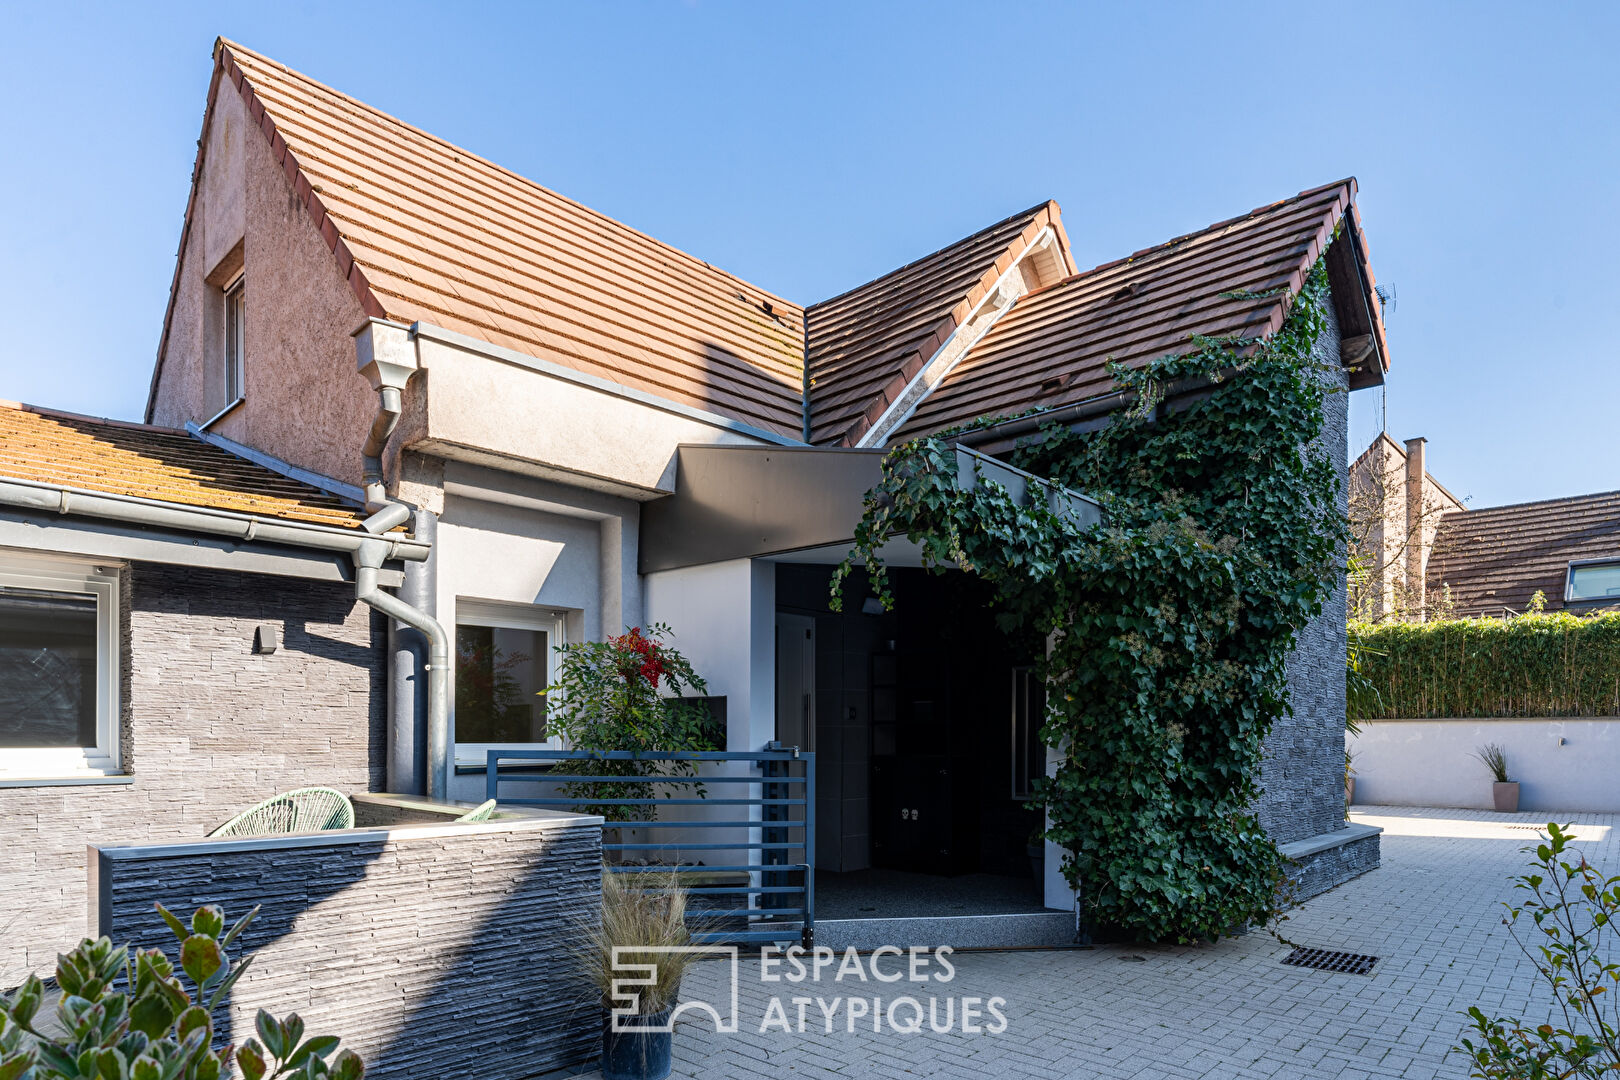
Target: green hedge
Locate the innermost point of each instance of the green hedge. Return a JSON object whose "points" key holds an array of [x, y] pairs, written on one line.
{"points": [[1534, 665]]}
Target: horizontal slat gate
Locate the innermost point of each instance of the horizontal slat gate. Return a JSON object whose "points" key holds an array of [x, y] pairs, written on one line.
{"points": [[766, 872]]}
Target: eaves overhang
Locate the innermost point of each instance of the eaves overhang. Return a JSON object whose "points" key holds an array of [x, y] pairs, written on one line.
{"points": [[747, 502]]}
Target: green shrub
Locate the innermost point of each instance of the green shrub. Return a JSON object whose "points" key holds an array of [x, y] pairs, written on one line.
{"points": [[1568, 910], [611, 695], [1554, 664], [1170, 626], [154, 1028]]}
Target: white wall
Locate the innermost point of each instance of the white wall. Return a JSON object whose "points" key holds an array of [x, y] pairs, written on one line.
{"points": [[577, 561], [723, 617], [1429, 763]]}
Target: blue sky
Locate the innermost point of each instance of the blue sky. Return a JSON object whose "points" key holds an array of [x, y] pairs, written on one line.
{"points": [[808, 147]]}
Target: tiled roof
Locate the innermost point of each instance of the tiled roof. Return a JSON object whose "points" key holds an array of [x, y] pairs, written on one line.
{"points": [[118, 458], [1497, 557], [1053, 347], [427, 231], [867, 344]]}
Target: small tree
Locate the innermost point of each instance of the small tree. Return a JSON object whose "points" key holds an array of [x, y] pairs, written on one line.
{"points": [[1571, 908], [627, 693]]}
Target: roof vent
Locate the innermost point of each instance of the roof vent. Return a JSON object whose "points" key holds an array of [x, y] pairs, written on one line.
{"points": [[1127, 291], [1055, 383]]}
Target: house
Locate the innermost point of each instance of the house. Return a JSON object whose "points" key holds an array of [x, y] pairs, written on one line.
{"points": [[579, 428], [1434, 555], [1494, 560], [180, 635], [1396, 506]]}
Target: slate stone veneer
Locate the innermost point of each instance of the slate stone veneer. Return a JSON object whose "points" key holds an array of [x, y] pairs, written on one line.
{"points": [[442, 951], [1302, 776], [209, 727]]}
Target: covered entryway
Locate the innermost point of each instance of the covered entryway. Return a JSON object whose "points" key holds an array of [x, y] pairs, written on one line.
{"points": [[925, 745], [923, 720]]}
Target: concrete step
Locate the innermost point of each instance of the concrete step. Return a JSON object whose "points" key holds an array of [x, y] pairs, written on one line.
{"points": [[1033, 930]]}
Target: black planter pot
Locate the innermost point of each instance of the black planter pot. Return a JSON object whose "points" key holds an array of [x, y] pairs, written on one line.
{"points": [[633, 1053]]}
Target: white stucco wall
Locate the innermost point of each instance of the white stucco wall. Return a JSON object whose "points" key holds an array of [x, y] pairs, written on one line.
{"points": [[548, 423], [528, 543], [1430, 763], [723, 616]]}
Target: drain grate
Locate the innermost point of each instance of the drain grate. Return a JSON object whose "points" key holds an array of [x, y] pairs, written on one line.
{"points": [[1328, 960]]}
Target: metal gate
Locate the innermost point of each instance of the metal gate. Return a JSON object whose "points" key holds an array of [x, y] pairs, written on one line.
{"points": [[763, 830]]}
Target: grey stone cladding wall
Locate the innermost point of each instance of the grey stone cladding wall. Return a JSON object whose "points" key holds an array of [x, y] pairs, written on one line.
{"points": [[209, 727], [1320, 872], [431, 951], [1302, 775]]}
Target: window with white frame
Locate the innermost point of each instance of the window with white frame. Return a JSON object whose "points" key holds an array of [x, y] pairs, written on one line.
{"points": [[1593, 581], [58, 668], [504, 661], [235, 344]]}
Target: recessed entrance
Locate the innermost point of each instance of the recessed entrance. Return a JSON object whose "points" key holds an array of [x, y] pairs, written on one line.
{"points": [[924, 723]]}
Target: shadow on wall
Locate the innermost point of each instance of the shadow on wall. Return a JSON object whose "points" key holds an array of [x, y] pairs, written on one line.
{"points": [[429, 950], [287, 884], [506, 986]]}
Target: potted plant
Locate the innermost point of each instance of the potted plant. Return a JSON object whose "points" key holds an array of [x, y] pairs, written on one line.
{"points": [[1504, 790], [643, 927]]}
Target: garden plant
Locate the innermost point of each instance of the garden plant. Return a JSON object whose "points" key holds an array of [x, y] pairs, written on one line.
{"points": [[629, 692], [1567, 911], [129, 1015]]}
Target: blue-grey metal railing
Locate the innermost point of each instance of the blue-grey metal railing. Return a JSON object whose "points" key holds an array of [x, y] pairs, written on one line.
{"points": [[781, 876]]}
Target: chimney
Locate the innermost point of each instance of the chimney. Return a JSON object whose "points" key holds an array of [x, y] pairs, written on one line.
{"points": [[1415, 548]]}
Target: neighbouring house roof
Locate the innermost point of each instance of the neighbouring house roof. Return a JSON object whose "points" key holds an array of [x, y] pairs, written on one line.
{"points": [[426, 231], [117, 458], [866, 345], [1053, 347], [1497, 557]]}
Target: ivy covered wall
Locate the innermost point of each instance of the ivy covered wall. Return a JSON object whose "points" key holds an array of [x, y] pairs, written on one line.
{"points": [[1176, 625]]}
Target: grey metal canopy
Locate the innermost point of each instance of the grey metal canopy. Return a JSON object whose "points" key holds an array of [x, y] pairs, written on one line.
{"points": [[743, 502]]}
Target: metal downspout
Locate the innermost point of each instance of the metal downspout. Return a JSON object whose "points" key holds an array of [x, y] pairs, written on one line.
{"points": [[386, 355], [407, 671], [367, 561]]}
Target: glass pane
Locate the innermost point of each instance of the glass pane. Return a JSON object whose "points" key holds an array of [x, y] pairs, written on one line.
{"points": [[233, 344], [1594, 582], [47, 669], [501, 676]]}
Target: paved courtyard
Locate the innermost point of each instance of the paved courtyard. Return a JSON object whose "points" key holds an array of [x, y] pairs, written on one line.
{"points": [[1227, 1011]]}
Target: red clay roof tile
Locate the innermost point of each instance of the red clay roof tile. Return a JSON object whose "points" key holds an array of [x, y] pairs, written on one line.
{"points": [[1054, 346], [1497, 557], [427, 231], [866, 344]]}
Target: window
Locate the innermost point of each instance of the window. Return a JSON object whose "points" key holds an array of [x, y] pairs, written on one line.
{"points": [[58, 668], [235, 344], [1593, 581], [1028, 712], [504, 658]]}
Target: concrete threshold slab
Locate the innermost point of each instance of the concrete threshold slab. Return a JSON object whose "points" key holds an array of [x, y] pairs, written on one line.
{"points": [[1041, 929]]}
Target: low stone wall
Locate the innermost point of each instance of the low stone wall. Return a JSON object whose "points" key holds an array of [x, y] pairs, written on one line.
{"points": [[1322, 862], [1562, 764], [432, 950]]}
